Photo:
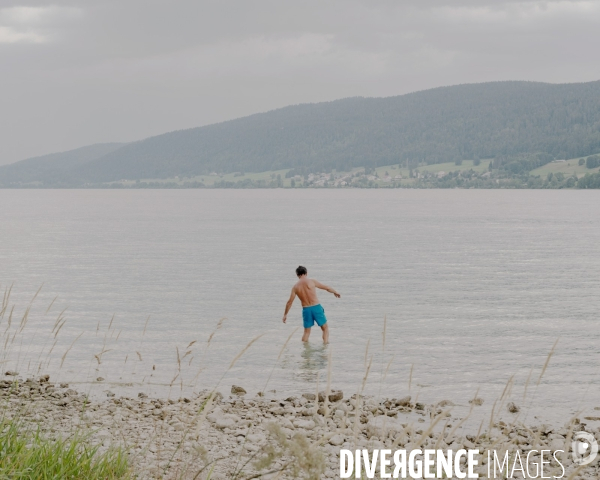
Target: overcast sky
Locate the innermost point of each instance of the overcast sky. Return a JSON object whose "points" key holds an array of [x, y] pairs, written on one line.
{"points": [[74, 73]]}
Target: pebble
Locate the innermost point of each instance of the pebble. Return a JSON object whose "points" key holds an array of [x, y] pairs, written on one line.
{"points": [[236, 390], [160, 432], [304, 424]]}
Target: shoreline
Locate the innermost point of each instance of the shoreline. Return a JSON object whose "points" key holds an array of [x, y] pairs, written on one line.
{"points": [[177, 438]]}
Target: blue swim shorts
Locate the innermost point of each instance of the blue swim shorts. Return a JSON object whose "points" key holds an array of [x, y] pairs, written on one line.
{"points": [[313, 314]]}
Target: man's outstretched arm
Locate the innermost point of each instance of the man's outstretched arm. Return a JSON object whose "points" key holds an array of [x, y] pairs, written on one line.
{"points": [[325, 287], [288, 305]]}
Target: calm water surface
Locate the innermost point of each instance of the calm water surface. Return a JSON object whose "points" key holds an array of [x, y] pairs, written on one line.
{"points": [[476, 287]]}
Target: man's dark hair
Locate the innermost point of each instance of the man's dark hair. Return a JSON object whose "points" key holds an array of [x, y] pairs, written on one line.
{"points": [[301, 270]]}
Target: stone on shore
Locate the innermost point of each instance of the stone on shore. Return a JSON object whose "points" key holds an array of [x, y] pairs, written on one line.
{"points": [[383, 426], [237, 390], [336, 396], [165, 437]]}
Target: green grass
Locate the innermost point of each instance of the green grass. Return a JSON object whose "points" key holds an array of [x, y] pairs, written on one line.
{"points": [[393, 170], [25, 454], [568, 167]]}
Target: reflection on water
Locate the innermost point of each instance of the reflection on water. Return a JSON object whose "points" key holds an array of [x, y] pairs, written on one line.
{"points": [[311, 366]]}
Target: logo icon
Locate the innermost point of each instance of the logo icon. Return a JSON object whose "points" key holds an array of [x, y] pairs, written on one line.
{"points": [[585, 448]]}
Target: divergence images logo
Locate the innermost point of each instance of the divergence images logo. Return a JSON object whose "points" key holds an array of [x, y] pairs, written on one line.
{"points": [[585, 448]]}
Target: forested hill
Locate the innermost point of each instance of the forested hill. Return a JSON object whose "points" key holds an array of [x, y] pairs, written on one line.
{"points": [[432, 126], [55, 169]]}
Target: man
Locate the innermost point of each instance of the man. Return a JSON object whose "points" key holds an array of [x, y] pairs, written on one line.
{"points": [[312, 311]]}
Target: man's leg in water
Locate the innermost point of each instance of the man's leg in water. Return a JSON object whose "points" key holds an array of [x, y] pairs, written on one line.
{"points": [[325, 329], [306, 335]]}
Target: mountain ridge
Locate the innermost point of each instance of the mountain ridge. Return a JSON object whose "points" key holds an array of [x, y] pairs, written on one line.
{"points": [[482, 120], [55, 165]]}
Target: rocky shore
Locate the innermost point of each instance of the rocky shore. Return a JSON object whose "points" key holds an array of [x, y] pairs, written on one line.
{"points": [[244, 436]]}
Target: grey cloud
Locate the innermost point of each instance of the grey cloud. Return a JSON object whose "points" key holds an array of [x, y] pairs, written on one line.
{"points": [[80, 72]]}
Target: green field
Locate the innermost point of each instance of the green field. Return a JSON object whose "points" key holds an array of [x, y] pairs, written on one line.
{"points": [[393, 170], [568, 167]]}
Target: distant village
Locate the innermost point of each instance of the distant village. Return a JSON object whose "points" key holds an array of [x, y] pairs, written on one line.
{"points": [[470, 175], [364, 178]]}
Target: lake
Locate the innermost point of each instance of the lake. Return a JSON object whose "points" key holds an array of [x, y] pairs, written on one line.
{"points": [[475, 287]]}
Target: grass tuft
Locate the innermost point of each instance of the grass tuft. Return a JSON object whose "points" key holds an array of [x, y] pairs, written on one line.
{"points": [[25, 454]]}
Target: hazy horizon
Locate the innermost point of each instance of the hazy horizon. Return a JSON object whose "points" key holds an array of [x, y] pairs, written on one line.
{"points": [[84, 73]]}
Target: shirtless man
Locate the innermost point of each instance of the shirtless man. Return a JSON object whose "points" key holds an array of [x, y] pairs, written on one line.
{"points": [[312, 311]]}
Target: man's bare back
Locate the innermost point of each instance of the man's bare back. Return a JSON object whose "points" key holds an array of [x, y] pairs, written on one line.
{"points": [[312, 311]]}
